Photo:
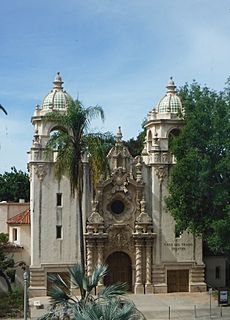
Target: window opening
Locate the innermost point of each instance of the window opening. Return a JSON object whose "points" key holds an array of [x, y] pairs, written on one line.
{"points": [[217, 272], [58, 232], [59, 199], [117, 206], [15, 234]]}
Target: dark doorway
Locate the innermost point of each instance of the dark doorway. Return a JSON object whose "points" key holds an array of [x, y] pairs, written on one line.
{"points": [[178, 280], [120, 269]]}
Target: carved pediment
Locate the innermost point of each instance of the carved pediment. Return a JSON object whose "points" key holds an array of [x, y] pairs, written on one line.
{"points": [[120, 181], [144, 223], [120, 237], [95, 222]]}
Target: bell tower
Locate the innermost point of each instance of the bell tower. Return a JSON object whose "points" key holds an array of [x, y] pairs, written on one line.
{"points": [[54, 223], [174, 256]]}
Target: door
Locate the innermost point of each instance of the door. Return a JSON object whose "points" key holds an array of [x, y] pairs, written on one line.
{"points": [[178, 280], [119, 269]]}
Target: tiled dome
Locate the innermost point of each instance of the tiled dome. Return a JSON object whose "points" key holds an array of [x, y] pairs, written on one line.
{"points": [[170, 102], [57, 99]]}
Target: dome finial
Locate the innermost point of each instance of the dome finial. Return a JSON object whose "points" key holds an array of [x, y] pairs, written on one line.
{"points": [[58, 82], [171, 86]]}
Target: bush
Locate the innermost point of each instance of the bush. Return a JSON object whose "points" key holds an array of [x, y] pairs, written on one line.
{"points": [[11, 305]]}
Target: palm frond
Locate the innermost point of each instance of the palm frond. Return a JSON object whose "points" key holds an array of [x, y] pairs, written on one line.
{"points": [[58, 295], [117, 310], [77, 277], [98, 274], [114, 310], [91, 311], [113, 290], [98, 146], [57, 280]]}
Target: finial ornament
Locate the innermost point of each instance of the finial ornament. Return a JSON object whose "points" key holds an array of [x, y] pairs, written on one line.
{"points": [[171, 86], [58, 82], [119, 135]]}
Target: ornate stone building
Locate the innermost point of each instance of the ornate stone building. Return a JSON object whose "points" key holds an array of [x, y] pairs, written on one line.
{"points": [[127, 226]]}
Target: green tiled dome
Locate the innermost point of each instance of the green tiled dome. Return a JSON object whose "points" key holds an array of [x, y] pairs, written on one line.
{"points": [[170, 102], [57, 99]]}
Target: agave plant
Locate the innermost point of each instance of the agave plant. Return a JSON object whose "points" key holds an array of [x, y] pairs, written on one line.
{"points": [[108, 304]]}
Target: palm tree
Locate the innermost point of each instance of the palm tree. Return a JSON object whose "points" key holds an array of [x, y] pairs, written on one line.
{"points": [[72, 141], [98, 147], [107, 304]]}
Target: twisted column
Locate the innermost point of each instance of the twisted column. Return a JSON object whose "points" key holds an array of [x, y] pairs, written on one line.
{"points": [[148, 264], [89, 257], [138, 284], [100, 257], [138, 264]]}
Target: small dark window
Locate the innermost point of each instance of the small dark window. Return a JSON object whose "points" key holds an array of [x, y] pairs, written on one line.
{"points": [[59, 199], [117, 206], [15, 234], [58, 232], [217, 272]]}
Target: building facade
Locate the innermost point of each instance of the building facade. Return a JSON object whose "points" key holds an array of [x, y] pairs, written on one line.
{"points": [[15, 221], [126, 224]]}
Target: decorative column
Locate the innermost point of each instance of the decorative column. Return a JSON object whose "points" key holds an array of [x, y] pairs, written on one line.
{"points": [[161, 173], [89, 257], [41, 171], [100, 260], [139, 288], [148, 270]]}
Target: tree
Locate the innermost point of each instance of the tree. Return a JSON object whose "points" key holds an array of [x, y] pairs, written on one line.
{"points": [[71, 141], [136, 145], [98, 146], [5, 262], [199, 187], [14, 185], [107, 304]]}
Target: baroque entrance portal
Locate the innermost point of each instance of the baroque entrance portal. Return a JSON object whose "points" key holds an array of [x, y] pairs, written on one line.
{"points": [[120, 269]]}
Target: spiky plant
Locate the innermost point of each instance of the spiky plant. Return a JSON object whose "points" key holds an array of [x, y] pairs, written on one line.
{"points": [[108, 304]]}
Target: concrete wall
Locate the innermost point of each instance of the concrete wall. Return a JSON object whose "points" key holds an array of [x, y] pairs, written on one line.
{"points": [[214, 277]]}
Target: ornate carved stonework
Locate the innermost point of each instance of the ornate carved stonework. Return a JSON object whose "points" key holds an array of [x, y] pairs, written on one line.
{"points": [[161, 172], [120, 237], [144, 224], [41, 171], [139, 177], [120, 181], [95, 220], [156, 156]]}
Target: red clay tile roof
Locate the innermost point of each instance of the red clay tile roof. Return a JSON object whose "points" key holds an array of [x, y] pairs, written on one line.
{"points": [[21, 218]]}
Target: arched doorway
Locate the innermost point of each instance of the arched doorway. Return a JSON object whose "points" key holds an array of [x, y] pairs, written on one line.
{"points": [[119, 269]]}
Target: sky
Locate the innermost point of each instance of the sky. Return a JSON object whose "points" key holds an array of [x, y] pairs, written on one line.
{"points": [[118, 54]]}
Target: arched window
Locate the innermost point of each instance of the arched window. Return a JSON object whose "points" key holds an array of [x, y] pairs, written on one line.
{"points": [[149, 140], [172, 134]]}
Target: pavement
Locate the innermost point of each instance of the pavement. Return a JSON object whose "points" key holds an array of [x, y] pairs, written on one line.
{"points": [[174, 306]]}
